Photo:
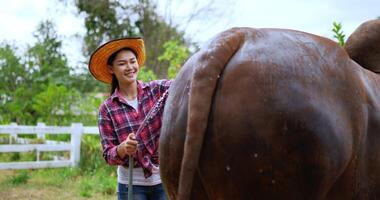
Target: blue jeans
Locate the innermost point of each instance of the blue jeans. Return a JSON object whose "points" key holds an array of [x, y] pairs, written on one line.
{"points": [[155, 192]]}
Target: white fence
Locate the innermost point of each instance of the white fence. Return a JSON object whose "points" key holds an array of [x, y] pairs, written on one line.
{"points": [[75, 130]]}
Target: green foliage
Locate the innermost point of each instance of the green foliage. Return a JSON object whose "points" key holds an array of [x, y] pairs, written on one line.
{"points": [[38, 86], [156, 32], [18, 108], [176, 54], [338, 33], [55, 176], [59, 183], [54, 104], [91, 154], [29, 83], [85, 188], [146, 75], [13, 74], [45, 61], [101, 181], [15, 156], [13, 87], [107, 184], [92, 163], [21, 177], [105, 20], [4, 138], [103, 23], [85, 83], [86, 108]]}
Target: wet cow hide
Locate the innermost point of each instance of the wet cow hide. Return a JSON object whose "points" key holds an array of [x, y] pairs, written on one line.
{"points": [[274, 114]]}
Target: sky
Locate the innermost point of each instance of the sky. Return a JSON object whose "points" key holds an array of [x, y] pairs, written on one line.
{"points": [[19, 18]]}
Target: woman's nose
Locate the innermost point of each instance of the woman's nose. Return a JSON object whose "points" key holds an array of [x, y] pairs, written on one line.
{"points": [[128, 66]]}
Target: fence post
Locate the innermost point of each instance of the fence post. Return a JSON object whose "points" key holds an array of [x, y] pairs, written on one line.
{"points": [[41, 135], [76, 135], [13, 136]]}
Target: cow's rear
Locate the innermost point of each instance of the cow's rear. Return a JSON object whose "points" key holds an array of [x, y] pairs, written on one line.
{"points": [[285, 111]]}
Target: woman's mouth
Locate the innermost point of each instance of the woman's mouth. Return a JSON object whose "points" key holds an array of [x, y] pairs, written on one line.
{"points": [[130, 74]]}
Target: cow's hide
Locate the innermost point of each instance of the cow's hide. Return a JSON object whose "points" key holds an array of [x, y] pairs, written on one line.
{"points": [[363, 45], [272, 114]]}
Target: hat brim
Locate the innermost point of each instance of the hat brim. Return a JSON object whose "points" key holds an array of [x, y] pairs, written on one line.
{"points": [[98, 60]]}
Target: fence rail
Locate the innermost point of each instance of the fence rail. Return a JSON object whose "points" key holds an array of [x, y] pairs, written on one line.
{"points": [[76, 130]]}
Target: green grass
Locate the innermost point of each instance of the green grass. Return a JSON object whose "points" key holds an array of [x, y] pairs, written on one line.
{"points": [[21, 177], [93, 179], [59, 183]]}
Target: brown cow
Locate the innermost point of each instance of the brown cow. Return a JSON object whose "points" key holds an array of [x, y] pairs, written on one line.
{"points": [[273, 114]]}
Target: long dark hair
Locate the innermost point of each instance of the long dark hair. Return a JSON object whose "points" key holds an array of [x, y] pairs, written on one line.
{"points": [[115, 83]]}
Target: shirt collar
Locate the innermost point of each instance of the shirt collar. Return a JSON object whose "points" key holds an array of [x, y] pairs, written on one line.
{"points": [[140, 87]]}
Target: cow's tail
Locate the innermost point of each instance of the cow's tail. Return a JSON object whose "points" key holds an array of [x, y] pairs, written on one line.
{"points": [[210, 63]]}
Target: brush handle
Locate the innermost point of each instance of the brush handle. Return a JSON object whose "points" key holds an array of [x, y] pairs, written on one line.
{"points": [[130, 178]]}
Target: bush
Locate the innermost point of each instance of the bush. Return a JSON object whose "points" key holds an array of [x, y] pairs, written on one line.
{"points": [[103, 176], [21, 177], [91, 154]]}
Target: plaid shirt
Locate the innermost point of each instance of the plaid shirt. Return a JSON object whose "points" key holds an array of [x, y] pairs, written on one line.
{"points": [[117, 119]]}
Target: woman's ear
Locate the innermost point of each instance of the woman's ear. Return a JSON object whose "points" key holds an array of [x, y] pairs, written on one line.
{"points": [[109, 68]]}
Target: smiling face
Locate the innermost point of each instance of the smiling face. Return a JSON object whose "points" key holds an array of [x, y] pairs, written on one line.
{"points": [[125, 67]]}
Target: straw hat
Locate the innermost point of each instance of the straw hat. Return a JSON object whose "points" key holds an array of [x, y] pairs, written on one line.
{"points": [[98, 60]]}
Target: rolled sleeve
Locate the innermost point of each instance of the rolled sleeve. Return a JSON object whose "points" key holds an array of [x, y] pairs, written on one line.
{"points": [[159, 87]]}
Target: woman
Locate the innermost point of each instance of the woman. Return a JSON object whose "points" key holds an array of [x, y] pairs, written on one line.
{"points": [[118, 63]]}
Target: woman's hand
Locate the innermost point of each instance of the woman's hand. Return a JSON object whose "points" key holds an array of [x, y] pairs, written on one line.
{"points": [[128, 146]]}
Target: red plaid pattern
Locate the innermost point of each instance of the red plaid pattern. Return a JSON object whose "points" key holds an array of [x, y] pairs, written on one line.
{"points": [[117, 119]]}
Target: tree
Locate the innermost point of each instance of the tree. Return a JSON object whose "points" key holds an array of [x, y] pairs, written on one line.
{"points": [[103, 23], [105, 20], [54, 104], [45, 61], [35, 85], [108, 19], [13, 87], [156, 33], [12, 72], [175, 54]]}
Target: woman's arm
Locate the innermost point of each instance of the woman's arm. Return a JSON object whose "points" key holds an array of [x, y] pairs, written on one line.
{"points": [[109, 140]]}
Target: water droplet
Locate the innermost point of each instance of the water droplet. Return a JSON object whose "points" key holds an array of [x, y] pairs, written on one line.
{"points": [[273, 181], [261, 171], [255, 155], [218, 76], [228, 168]]}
